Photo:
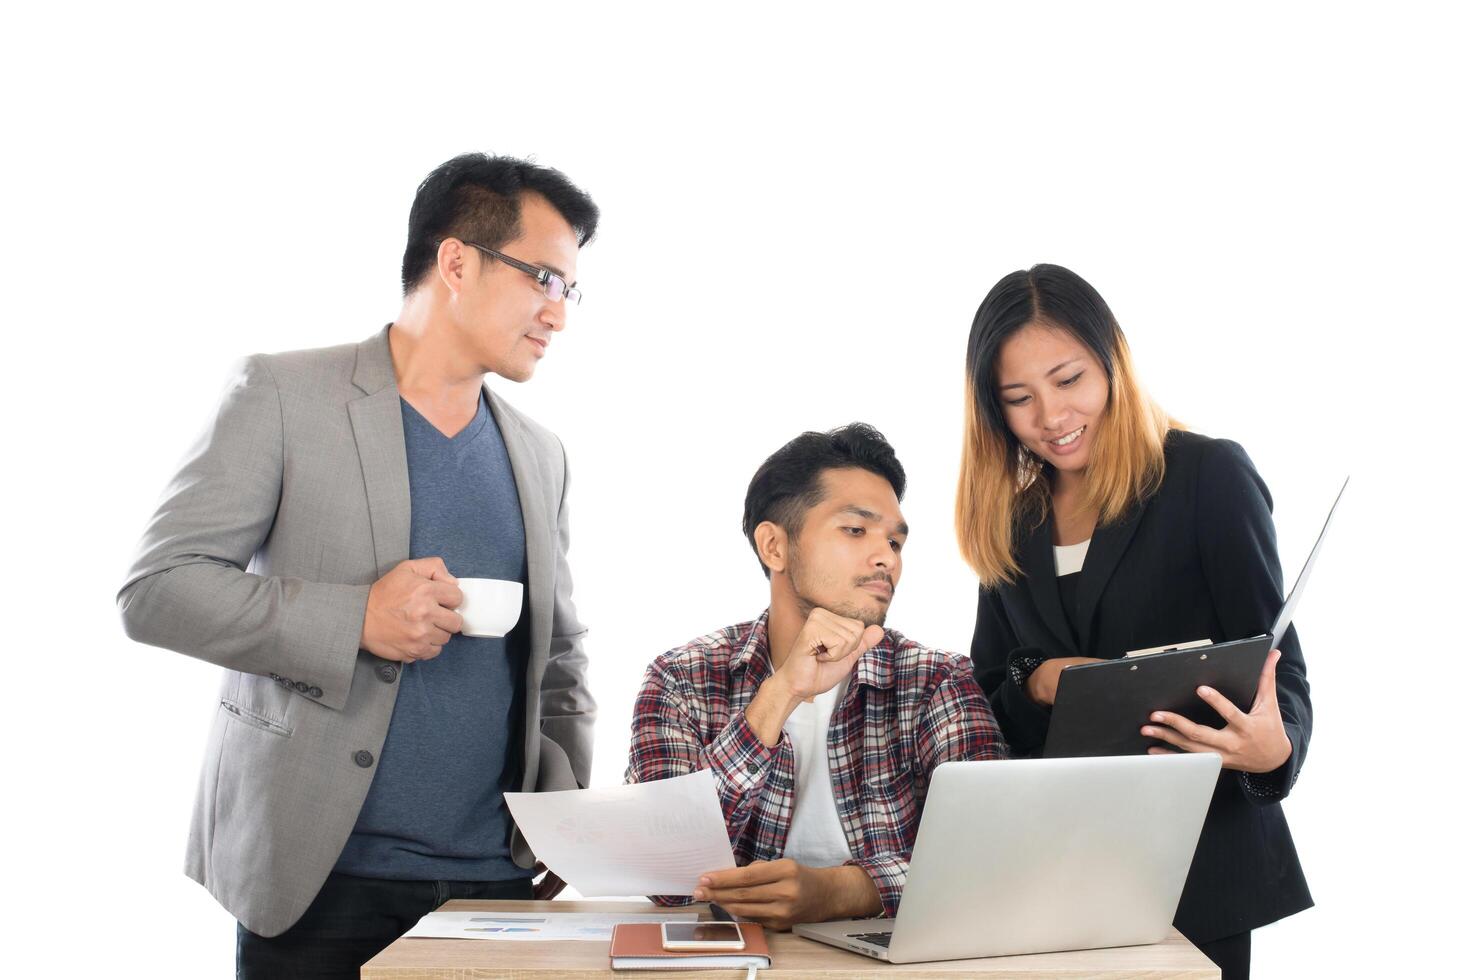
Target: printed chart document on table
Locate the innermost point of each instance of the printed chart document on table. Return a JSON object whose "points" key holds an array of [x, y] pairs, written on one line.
{"points": [[644, 839], [534, 926]]}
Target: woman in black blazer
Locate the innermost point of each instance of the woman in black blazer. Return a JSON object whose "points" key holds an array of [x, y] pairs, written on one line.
{"points": [[1098, 526]]}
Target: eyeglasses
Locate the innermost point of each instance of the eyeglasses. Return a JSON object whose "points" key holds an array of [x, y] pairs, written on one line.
{"points": [[551, 284]]}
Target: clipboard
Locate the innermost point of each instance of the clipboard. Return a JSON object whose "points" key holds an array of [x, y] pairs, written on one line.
{"points": [[1100, 707]]}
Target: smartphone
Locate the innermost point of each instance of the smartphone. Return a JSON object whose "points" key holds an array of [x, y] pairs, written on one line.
{"points": [[702, 936]]}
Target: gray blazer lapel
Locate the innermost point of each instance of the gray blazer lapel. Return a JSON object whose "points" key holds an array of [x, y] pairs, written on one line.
{"points": [[377, 426], [540, 557]]}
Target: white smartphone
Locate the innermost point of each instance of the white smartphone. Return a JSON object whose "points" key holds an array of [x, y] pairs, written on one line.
{"points": [[702, 936]]}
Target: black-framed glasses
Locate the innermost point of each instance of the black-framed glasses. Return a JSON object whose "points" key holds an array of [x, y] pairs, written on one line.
{"points": [[553, 285]]}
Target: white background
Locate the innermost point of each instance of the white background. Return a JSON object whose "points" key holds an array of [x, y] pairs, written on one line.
{"points": [[802, 209]]}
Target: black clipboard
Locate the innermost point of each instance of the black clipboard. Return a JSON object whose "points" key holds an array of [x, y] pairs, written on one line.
{"points": [[1101, 707]]}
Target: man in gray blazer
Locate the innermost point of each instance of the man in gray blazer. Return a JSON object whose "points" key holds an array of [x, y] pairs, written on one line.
{"points": [[311, 544]]}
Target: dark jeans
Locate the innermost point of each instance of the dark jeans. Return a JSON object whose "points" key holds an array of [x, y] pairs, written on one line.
{"points": [[1231, 954], [350, 921]]}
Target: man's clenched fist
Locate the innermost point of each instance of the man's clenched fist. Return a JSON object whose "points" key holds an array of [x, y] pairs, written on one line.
{"points": [[825, 651]]}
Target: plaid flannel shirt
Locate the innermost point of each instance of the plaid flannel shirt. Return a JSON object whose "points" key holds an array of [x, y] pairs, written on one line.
{"points": [[907, 709]]}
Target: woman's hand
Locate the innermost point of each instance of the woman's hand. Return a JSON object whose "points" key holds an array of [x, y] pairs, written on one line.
{"points": [[1254, 742], [1040, 686]]}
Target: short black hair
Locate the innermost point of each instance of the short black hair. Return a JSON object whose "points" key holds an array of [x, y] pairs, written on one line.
{"points": [[477, 197], [788, 484]]}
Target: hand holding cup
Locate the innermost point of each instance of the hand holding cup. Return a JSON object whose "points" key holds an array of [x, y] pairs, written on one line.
{"points": [[410, 611]]}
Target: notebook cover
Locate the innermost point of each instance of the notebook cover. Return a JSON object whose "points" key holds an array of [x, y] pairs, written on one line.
{"points": [[644, 941]]}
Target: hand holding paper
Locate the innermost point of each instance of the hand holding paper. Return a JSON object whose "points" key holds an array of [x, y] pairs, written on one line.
{"points": [[642, 839]]}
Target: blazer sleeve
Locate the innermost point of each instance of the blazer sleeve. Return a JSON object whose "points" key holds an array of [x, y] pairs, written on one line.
{"points": [[568, 710], [188, 589], [1241, 565], [1022, 721]]}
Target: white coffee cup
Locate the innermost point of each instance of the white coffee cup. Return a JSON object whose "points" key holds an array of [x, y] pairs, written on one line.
{"points": [[491, 606]]}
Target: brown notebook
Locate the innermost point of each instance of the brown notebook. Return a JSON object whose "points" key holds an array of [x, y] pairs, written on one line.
{"points": [[639, 946]]}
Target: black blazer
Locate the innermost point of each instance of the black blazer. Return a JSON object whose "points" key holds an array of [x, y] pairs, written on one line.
{"points": [[1196, 561]]}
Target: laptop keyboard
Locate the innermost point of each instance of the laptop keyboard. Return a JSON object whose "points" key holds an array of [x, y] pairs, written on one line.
{"points": [[875, 938]]}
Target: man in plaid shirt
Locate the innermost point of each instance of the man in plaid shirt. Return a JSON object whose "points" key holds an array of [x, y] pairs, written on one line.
{"points": [[821, 727]]}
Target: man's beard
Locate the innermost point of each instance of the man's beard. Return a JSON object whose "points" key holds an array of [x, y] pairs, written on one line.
{"points": [[873, 615]]}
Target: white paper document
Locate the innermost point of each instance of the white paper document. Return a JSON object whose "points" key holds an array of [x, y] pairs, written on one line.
{"points": [[643, 839], [1191, 644], [533, 926]]}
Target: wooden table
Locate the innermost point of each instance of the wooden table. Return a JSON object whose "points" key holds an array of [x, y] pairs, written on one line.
{"points": [[790, 955]]}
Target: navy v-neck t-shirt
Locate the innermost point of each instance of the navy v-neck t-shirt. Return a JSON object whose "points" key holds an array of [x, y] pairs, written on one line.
{"points": [[436, 810]]}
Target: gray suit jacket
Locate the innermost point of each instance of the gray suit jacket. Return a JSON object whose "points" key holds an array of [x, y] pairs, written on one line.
{"points": [[259, 559]]}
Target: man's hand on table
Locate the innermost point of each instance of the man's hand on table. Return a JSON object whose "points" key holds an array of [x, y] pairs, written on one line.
{"points": [[779, 894]]}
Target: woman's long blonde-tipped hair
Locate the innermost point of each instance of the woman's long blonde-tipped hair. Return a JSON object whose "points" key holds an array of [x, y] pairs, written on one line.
{"points": [[1003, 486]]}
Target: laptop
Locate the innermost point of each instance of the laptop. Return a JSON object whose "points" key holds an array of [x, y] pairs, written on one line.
{"points": [[1100, 708], [1036, 855]]}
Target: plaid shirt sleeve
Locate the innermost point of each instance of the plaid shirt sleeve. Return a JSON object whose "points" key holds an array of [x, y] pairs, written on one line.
{"points": [[955, 725], [667, 741]]}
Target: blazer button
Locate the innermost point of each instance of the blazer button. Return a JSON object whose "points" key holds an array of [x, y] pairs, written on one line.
{"points": [[275, 677], [387, 673], [362, 757], [315, 692], [302, 686]]}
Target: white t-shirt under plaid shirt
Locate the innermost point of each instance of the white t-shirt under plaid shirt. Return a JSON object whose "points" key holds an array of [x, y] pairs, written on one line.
{"points": [[815, 838]]}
